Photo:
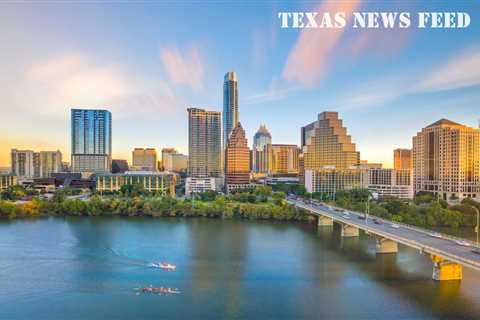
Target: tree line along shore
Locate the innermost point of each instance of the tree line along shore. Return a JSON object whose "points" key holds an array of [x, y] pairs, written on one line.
{"points": [[263, 202]]}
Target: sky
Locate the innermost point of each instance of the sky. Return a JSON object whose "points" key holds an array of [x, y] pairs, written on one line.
{"points": [[148, 61]]}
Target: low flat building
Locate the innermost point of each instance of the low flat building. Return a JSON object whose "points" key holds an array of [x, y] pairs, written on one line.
{"points": [[390, 182], [158, 182], [273, 179], [199, 185], [7, 180], [329, 181]]}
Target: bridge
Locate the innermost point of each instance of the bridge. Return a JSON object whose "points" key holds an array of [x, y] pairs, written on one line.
{"points": [[448, 253]]}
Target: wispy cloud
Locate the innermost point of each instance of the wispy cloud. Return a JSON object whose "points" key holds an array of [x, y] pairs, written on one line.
{"points": [[461, 71], [184, 68], [277, 90], [77, 80], [308, 61]]}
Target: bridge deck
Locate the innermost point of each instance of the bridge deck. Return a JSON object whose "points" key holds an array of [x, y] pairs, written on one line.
{"points": [[421, 239]]}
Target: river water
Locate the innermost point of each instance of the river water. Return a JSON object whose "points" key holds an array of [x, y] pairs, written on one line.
{"points": [[88, 268]]}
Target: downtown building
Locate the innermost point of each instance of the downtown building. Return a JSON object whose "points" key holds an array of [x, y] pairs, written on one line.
{"points": [[262, 151], [330, 160], [237, 161], [230, 105], [175, 162], [284, 159], [446, 160], [402, 159], [160, 183], [28, 164], [383, 182], [7, 180], [91, 141], [144, 159], [204, 151]]}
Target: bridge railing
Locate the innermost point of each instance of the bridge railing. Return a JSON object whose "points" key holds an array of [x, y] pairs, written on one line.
{"points": [[410, 227]]}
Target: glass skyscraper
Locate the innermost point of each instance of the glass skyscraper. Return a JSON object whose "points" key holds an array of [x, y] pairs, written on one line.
{"points": [[91, 140], [261, 153], [230, 105], [204, 143]]}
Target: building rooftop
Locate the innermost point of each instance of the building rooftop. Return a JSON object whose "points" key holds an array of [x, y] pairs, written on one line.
{"points": [[444, 122]]}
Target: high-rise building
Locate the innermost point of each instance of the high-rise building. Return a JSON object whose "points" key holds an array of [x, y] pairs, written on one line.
{"points": [[402, 159], [23, 163], [91, 140], [204, 143], [230, 105], [284, 158], [446, 160], [261, 151], [328, 144], [50, 162], [237, 156], [330, 160], [175, 162], [144, 159]]}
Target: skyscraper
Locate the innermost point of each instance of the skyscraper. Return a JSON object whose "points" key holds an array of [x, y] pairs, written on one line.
{"points": [[237, 164], [91, 140], [230, 105], [144, 159], [50, 162], [284, 158], [328, 144], [204, 143], [446, 160], [402, 159], [329, 156], [261, 153], [23, 163]]}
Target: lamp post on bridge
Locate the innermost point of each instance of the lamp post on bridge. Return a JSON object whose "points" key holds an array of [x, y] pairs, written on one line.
{"points": [[478, 223], [477, 227]]}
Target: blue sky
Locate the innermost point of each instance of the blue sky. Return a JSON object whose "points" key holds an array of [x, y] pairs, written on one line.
{"points": [[146, 62]]}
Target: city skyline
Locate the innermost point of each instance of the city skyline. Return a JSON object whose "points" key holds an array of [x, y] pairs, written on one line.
{"points": [[147, 79]]}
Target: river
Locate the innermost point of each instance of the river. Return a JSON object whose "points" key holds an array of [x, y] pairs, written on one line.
{"points": [[88, 268]]}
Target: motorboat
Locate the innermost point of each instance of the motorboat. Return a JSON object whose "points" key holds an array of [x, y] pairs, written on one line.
{"points": [[164, 266], [395, 226], [158, 290]]}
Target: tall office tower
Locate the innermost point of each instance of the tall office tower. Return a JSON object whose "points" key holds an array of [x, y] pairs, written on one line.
{"points": [[237, 156], [261, 151], [204, 143], [91, 140], [50, 162], [446, 160], [23, 163], [284, 158], [144, 159], [402, 159], [329, 156], [230, 105], [328, 144]]}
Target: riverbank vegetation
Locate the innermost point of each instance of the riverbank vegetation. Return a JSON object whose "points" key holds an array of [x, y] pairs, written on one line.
{"points": [[425, 210], [260, 203]]}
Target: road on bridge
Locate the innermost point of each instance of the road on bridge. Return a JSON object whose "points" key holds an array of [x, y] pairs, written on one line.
{"points": [[424, 240]]}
